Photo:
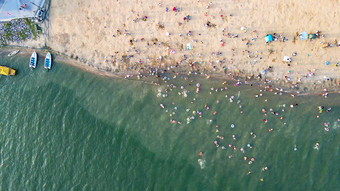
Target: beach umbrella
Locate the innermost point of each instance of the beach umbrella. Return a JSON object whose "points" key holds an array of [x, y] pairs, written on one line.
{"points": [[189, 46], [311, 36], [287, 59], [303, 36], [268, 38]]}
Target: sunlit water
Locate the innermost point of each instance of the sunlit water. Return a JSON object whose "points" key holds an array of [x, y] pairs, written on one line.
{"points": [[68, 129]]}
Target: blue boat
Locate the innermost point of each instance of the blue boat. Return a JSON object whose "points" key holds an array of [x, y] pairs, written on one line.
{"points": [[48, 61], [33, 60]]}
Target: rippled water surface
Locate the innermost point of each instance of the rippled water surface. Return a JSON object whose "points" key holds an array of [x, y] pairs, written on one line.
{"points": [[69, 129]]}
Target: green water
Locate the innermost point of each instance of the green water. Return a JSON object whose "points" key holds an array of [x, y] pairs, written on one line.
{"points": [[67, 129]]}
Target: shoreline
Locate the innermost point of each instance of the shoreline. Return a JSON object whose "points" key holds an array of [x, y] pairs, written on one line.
{"points": [[214, 40], [280, 86]]}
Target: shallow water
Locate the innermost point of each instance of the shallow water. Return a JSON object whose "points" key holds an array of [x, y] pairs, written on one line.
{"points": [[69, 129]]}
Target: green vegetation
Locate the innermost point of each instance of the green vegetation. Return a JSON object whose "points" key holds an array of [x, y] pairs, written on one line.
{"points": [[19, 29], [39, 29], [8, 33], [33, 27], [22, 35]]}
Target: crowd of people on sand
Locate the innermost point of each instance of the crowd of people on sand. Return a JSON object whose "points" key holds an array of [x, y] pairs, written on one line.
{"points": [[137, 63], [190, 90]]}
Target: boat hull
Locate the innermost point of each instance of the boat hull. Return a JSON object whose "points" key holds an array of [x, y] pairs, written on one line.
{"points": [[13, 53], [6, 71], [48, 61], [33, 60]]}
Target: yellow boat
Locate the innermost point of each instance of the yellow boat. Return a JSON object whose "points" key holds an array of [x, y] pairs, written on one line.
{"points": [[7, 71]]}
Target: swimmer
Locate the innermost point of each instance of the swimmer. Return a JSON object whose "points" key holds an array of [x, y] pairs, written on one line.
{"points": [[295, 148], [316, 146], [232, 125]]}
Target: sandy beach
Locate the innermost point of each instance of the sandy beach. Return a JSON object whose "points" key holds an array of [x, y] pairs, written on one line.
{"points": [[210, 37]]}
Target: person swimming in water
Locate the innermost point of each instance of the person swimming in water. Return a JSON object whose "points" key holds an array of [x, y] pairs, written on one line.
{"points": [[295, 148]]}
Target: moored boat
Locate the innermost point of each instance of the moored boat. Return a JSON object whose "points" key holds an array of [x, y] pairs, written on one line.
{"points": [[33, 60], [48, 61], [7, 71], [13, 53]]}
